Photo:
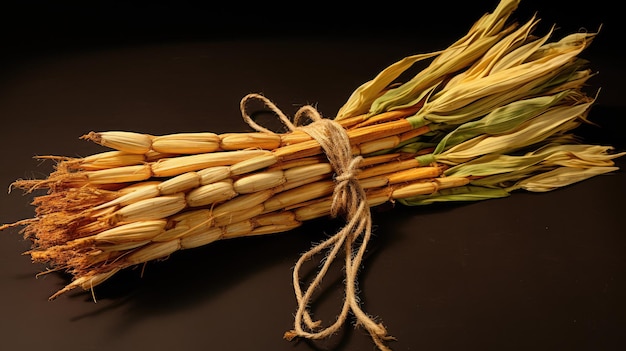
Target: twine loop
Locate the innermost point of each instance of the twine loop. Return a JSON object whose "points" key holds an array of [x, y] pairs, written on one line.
{"points": [[349, 199]]}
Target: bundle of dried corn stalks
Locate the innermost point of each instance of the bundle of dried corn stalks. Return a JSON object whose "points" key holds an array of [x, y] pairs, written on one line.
{"points": [[492, 113]]}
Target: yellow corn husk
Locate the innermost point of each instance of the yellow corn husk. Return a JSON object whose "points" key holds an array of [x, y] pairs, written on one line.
{"points": [[240, 141], [227, 218], [180, 183], [428, 187], [154, 208], [402, 176], [186, 143], [136, 231], [152, 251], [179, 165], [128, 196], [108, 159], [301, 194], [260, 181], [253, 164], [242, 202], [86, 282], [130, 142], [214, 174], [124, 174], [201, 237], [211, 193]]}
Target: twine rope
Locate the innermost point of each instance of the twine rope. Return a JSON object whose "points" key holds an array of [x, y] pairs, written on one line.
{"points": [[349, 199]]}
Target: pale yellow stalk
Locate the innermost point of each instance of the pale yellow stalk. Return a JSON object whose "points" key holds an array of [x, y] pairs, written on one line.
{"points": [[130, 142], [242, 141], [211, 193], [186, 143], [177, 165]]}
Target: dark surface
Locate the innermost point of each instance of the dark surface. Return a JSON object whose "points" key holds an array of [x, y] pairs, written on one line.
{"points": [[532, 271]]}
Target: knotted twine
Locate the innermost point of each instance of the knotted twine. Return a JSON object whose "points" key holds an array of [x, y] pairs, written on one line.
{"points": [[348, 199]]}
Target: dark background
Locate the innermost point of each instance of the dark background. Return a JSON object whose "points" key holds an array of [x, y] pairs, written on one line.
{"points": [[33, 26], [532, 271]]}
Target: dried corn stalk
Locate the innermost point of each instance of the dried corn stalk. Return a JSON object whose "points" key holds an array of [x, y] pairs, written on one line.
{"points": [[491, 114]]}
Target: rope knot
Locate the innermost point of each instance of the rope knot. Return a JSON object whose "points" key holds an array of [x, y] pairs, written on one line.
{"points": [[346, 195], [348, 198]]}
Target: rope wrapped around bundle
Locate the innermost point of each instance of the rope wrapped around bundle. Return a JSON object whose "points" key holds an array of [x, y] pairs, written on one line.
{"points": [[348, 199]]}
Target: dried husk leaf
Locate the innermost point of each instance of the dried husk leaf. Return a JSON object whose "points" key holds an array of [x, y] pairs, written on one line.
{"points": [[130, 142], [211, 193], [186, 143], [177, 165]]}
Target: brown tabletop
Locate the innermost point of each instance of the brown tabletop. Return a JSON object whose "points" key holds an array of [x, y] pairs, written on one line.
{"points": [[527, 272]]}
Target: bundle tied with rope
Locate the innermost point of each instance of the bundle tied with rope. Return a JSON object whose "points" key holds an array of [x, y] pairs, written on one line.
{"points": [[348, 199], [493, 113]]}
